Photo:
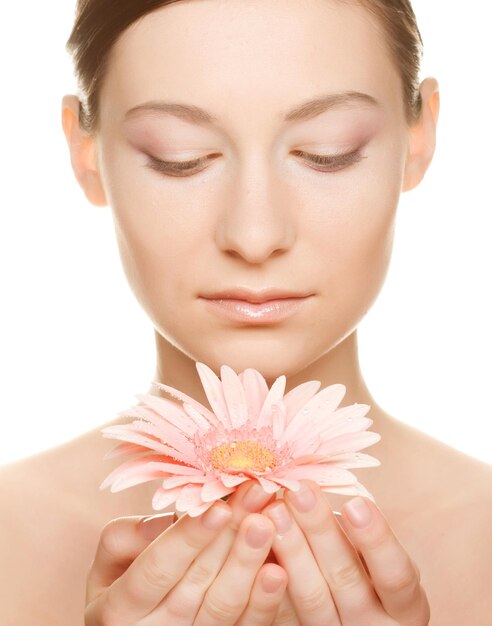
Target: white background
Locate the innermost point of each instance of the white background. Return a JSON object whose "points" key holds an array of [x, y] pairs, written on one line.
{"points": [[75, 345]]}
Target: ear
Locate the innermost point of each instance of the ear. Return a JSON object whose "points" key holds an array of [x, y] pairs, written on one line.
{"points": [[82, 148], [422, 141]]}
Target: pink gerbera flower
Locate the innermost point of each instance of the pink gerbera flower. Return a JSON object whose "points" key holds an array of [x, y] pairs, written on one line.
{"points": [[251, 433]]}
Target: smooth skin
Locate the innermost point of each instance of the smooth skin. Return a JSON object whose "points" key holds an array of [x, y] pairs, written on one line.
{"points": [[256, 213], [210, 570], [188, 572], [344, 575]]}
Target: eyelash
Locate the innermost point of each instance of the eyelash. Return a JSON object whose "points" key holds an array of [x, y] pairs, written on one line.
{"points": [[188, 168]]}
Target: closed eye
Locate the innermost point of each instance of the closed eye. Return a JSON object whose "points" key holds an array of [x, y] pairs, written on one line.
{"points": [[333, 162], [328, 162]]}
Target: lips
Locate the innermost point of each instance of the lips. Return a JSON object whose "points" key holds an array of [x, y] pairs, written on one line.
{"points": [[267, 312], [255, 297]]}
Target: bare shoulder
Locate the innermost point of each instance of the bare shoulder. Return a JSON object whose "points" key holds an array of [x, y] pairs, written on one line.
{"points": [[42, 575], [459, 562]]}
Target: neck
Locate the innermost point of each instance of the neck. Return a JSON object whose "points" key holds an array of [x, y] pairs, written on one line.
{"points": [[338, 365], [398, 444]]}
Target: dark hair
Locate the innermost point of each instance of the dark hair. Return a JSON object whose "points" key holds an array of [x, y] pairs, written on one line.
{"points": [[99, 23]]}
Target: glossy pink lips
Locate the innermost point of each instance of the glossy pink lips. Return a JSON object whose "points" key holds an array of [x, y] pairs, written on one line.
{"points": [[256, 313]]}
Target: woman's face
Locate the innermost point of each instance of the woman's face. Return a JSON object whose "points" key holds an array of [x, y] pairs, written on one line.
{"points": [[256, 213]]}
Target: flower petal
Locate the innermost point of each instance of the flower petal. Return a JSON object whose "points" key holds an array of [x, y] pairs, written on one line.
{"points": [[320, 405], [165, 497], [202, 424], [357, 489], [278, 419], [149, 463], [322, 474], [213, 390], [170, 411], [274, 395], [343, 427], [160, 421], [233, 480], [215, 490], [189, 497], [165, 433], [293, 485], [179, 481], [355, 460], [188, 399], [123, 449], [150, 444], [321, 433], [349, 442], [256, 390], [297, 397], [234, 396], [198, 510], [268, 485]]}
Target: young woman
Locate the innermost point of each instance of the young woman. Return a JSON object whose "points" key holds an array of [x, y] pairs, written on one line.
{"points": [[251, 151]]}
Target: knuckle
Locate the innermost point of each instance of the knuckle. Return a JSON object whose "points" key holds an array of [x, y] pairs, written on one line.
{"points": [[376, 541], [405, 580], [313, 601], [155, 574], [194, 541], [110, 539], [317, 527], [285, 617], [199, 575], [345, 577], [220, 609]]}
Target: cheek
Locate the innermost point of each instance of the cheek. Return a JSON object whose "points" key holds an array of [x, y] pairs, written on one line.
{"points": [[155, 240], [354, 237]]}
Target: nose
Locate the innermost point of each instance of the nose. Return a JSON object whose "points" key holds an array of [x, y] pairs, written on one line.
{"points": [[259, 219]]}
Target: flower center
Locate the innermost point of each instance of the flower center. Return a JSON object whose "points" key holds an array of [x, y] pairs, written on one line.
{"points": [[241, 455]]}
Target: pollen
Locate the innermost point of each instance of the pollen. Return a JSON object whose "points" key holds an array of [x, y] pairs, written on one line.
{"points": [[241, 455]]}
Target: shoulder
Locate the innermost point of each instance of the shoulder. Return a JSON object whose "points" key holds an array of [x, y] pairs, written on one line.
{"points": [[461, 550], [43, 546]]}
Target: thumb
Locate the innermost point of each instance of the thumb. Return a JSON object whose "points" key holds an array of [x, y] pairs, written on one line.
{"points": [[121, 540]]}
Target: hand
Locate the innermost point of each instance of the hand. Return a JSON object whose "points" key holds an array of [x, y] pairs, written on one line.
{"points": [[329, 582], [198, 571]]}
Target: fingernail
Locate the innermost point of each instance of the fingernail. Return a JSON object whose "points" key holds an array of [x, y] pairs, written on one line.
{"points": [[153, 525], [280, 516], [271, 584], [255, 497], [257, 535], [358, 512], [304, 499], [216, 517]]}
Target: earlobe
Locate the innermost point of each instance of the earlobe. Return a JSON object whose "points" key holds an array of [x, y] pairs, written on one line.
{"points": [[422, 136], [82, 148]]}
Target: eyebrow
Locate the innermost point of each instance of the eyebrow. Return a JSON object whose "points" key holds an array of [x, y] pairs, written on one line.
{"points": [[305, 111]]}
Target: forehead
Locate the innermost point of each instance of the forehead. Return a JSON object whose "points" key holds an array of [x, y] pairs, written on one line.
{"points": [[249, 57]]}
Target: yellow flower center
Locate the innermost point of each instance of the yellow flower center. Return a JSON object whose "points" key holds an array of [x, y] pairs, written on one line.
{"points": [[242, 455]]}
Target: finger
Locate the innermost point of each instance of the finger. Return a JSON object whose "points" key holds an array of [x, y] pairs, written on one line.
{"points": [[346, 530], [186, 597], [350, 587], [266, 595], [121, 541], [228, 595], [307, 587], [160, 566], [286, 614], [249, 498], [395, 577]]}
